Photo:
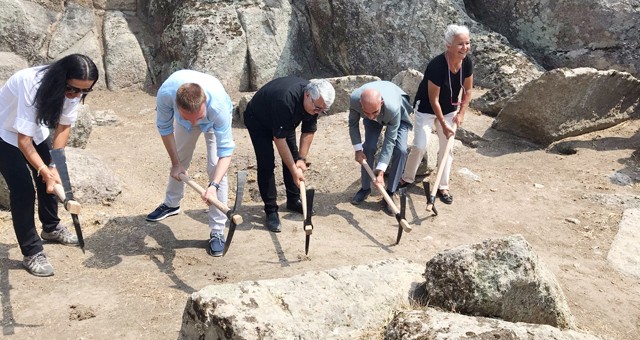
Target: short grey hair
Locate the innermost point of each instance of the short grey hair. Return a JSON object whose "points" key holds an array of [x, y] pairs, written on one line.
{"points": [[321, 88], [452, 31]]}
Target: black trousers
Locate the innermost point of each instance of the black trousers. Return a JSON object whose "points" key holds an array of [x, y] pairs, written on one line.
{"points": [[20, 175], [262, 140]]}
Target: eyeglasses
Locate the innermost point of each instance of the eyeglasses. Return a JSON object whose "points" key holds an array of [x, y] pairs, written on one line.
{"points": [[318, 109], [69, 88]]}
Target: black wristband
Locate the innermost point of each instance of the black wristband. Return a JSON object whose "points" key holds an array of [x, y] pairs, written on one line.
{"points": [[214, 184]]}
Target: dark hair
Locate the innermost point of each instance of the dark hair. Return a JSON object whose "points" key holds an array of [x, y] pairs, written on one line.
{"points": [[49, 99]]}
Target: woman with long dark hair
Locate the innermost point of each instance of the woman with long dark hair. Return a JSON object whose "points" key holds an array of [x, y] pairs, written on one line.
{"points": [[32, 101]]}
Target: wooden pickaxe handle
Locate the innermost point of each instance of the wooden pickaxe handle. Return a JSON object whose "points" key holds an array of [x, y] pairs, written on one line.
{"points": [[303, 199], [71, 205], [403, 222], [441, 166], [221, 206]]}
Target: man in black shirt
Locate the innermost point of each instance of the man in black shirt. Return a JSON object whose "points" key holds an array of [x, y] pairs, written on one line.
{"points": [[273, 114]]}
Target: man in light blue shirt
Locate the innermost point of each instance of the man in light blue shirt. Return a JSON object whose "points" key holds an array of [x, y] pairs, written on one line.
{"points": [[187, 104]]}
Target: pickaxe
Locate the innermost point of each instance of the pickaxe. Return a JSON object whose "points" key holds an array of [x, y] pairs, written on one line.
{"points": [[64, 192], [306, 196], [432, 197], [401, 220], [233, 218]]}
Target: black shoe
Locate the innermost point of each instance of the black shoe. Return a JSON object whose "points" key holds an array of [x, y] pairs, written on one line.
{"points": [[445, 198], [273, 222], [296, 206], [403, 185], [360, 196], [162, 212]]}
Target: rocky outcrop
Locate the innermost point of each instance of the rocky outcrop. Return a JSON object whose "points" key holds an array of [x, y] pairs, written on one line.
{"points": [[10, 63], [502, 69], [575, 101], [500, 278], [123, 57], [558, 33], [433, 324], [335, 304]]}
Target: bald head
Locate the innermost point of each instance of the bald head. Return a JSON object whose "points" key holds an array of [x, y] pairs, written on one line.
{"points": [[371, 102]]}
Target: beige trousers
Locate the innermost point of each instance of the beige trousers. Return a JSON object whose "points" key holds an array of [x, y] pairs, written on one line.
{"points": [[424, 123]]}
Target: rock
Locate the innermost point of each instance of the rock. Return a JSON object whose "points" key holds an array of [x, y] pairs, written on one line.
{"points": [[92, 180], [207, 37], [278, 42], [80, 133], [557, 35], [10, 63], [500, 278], [621, 179], [318, 305], [572, 220], [123, 57], [408, 81], [4, 194], [577, 101], [106, 118], [343, 87], [25, 28], [433, 324], [624, 254], [468, 174], [242, 106]]}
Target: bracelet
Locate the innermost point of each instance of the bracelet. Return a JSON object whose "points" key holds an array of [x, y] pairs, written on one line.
{"points": [[214, 184], [52, 165], [40, 168]]}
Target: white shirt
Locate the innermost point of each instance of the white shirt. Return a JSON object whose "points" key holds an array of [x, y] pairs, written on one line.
{"points": [[18, 112]]}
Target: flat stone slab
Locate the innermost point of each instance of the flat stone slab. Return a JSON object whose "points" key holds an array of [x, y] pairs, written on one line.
{"points": [[336, 303]]}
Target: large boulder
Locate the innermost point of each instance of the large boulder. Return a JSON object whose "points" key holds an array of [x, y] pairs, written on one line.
{"points": [[25, 28], [602, 34], [92, 180], [502, 69], [500, 278], [433, 324], [343, 87], [336, 303], [124, 60], [570, 102], [10, 63], [408, 81], [207, 37]]}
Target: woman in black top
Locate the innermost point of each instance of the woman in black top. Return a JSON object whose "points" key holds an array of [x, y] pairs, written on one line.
{"points": [[447, 75], [33, 101]]}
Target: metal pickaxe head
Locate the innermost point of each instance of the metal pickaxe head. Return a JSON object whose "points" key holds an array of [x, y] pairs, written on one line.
{"points": [[234, 219]]}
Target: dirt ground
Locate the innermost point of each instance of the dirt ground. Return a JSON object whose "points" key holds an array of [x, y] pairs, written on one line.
{"points": [[134, 280]]}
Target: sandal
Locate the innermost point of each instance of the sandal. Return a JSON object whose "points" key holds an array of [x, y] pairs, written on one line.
{"points": [[445, 198]]}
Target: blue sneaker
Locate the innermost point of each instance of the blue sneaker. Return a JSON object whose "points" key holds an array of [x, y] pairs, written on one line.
{"points": [[162, 212], [216, 244]]}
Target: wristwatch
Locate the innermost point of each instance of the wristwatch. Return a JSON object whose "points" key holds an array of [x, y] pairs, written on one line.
{"points": [[214, 184]]}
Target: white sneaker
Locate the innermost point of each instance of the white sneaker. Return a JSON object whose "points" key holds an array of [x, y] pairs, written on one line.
{"points": [[61, 235], [38, 264]]}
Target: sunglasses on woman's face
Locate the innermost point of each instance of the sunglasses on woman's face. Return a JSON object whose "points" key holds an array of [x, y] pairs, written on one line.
{"points": [[74, 89]]}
